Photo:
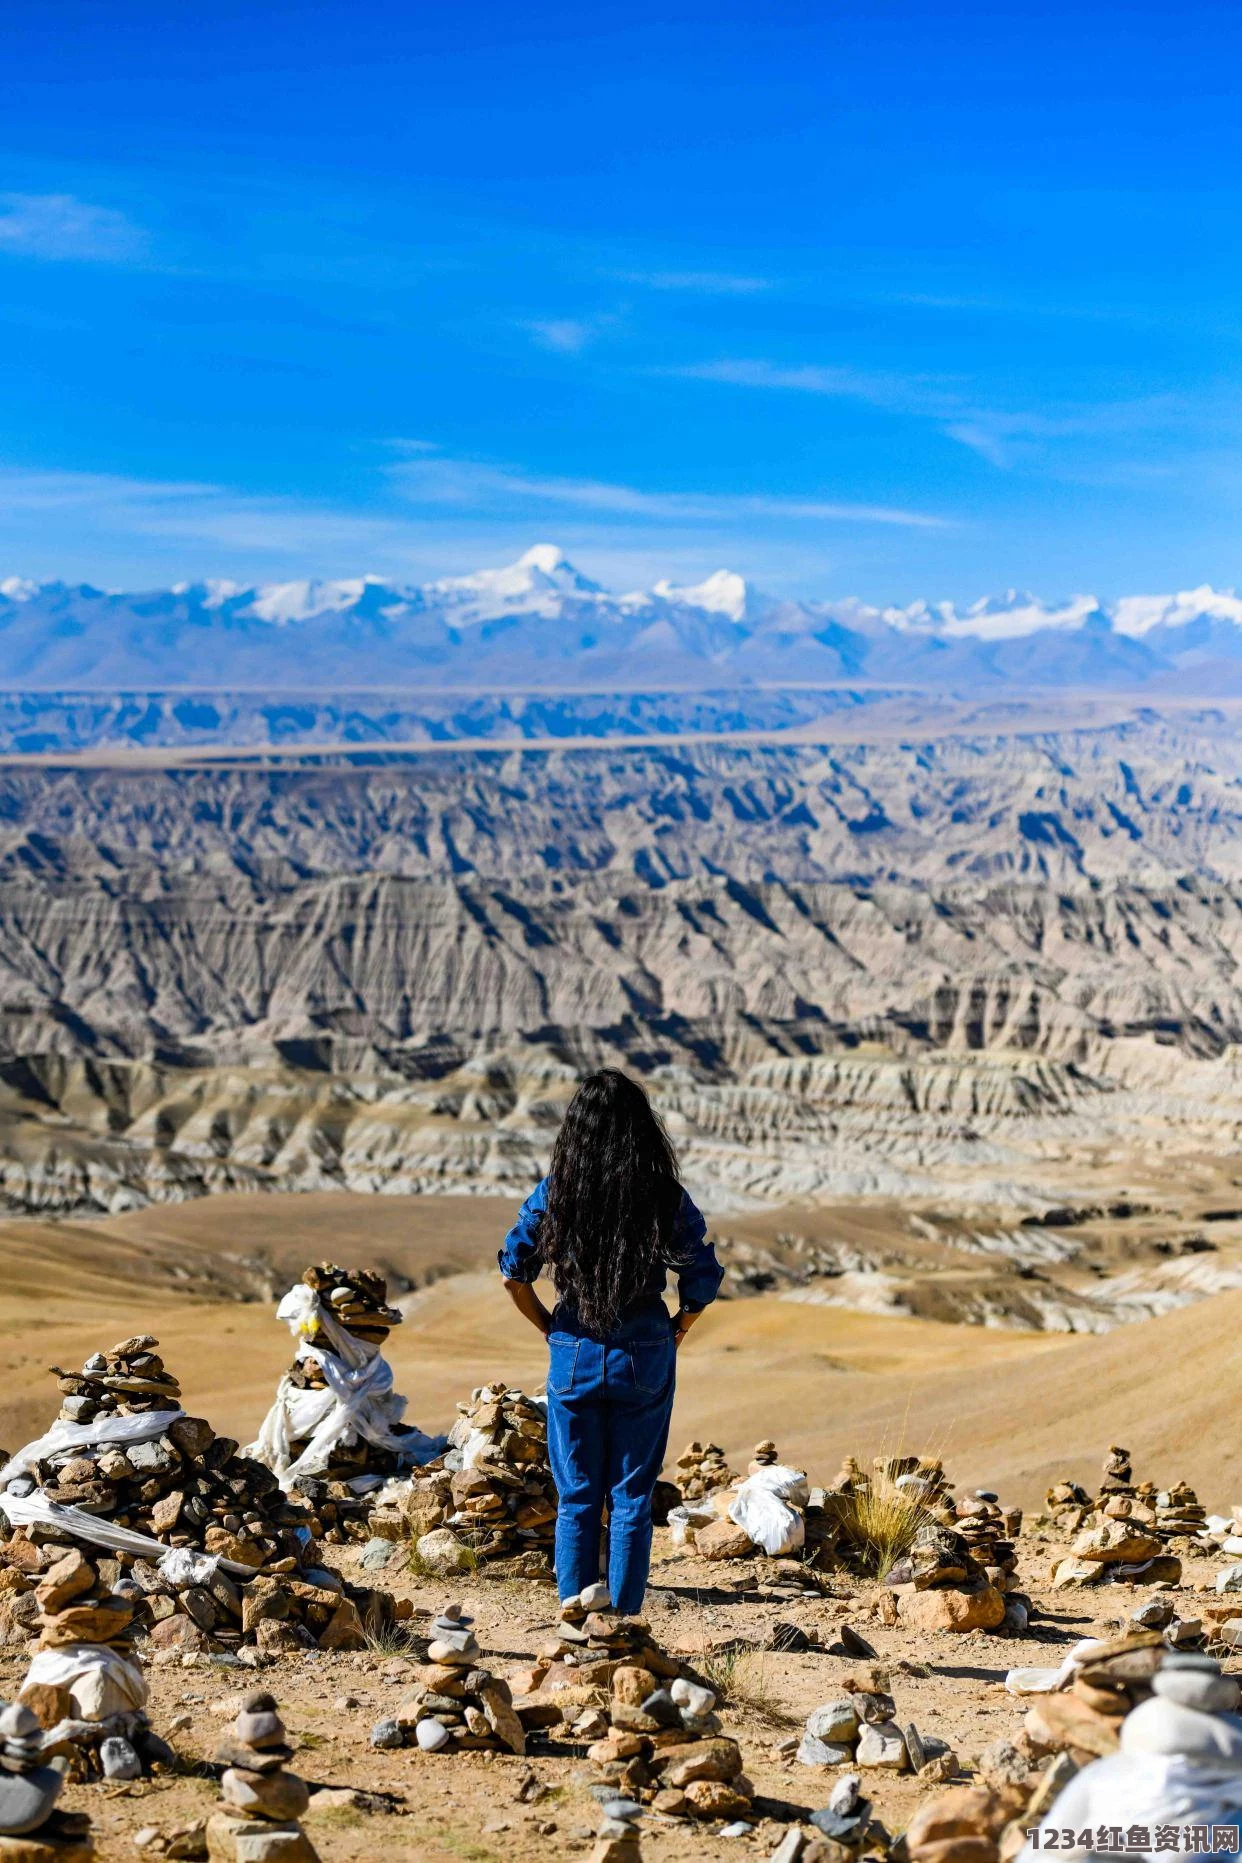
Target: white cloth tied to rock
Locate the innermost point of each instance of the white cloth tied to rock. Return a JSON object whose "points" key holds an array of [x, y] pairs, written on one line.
{"points": [[100, 1682], [179, 1565], [766, 1506], [356, 1400]]}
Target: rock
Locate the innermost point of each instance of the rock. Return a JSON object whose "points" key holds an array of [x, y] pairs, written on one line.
{"points": [[711, 1798], [118, 1759], [1116, 1542], [836, 1722], [378, 1553], [251, 1840], [1002, 1764], [790, 1848], [692, 1698], [504, 1723], [442, 1554], [387, 1734], [1198, 1688], [431, 1735], [595, 1597], [719, 1759], [981, 1609], [882, 1746], [723, 1540], [844, 1796], [1230, 1579], [1069, 1572], [814, 1752], [279, 1795], [1058, 1721]]}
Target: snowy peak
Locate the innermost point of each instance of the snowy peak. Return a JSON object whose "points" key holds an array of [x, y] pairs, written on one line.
{"points": [[541, 578], [1137, 615], [723, 593]]}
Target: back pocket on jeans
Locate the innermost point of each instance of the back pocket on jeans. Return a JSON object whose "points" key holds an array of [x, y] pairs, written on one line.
{"points": [[651, 1362], [562, 1363]]}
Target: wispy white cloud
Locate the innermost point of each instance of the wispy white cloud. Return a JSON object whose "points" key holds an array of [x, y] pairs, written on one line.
{"points": [[1005, 437], [709, 284], [568, 335], [473, 483], [60, 226]]}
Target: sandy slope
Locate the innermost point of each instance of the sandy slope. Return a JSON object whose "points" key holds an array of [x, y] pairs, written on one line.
{"points": [[1007, 1409]]}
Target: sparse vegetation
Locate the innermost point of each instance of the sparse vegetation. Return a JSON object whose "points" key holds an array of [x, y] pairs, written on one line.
{"points": [[879, 1523], [740, 1678]]}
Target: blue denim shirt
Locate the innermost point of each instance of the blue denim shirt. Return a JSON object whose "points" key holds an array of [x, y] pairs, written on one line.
{"points": [[690, 1256]]}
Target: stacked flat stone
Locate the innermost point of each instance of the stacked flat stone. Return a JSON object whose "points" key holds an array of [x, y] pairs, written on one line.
{"points": [[493, 1491], [763, 1455], [458, 1705], [1124, 1536], [357, 1299], [1084, 1717], [940, 1585], [990, 1532], [32, 1830], [185, 1488], [701, 1469], [261, 1803], [919, 1478], [858, 1727], [658, 1743], [98, 1720], [1069, 1504]]}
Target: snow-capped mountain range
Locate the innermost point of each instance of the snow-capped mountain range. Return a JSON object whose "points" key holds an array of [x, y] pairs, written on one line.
{"points": [[539, 622]]}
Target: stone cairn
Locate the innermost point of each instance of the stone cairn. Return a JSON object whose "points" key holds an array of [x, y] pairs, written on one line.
{"points": [[1082, 1714], [1126, 1534], [492, 1495], [858, 1727], [261, 1803], [189, 1489], [960, 1570], [32, 1830], [96, 1719], [657, 1743], [457, 1706], [357, 1299], [701, 1470]]}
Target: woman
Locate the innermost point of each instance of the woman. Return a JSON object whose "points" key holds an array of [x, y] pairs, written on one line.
{"points": [[608, 1223]]}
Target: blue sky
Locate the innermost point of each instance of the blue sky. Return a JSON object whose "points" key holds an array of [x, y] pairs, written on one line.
{"points": [[888, 299]]}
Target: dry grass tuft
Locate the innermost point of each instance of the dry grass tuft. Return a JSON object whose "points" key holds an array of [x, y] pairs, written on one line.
{"points": [[879, 1523], [741, 1678]]}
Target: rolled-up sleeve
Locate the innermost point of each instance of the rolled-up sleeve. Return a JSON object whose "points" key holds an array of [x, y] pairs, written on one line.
{"points": [[520, 1258], [699, 1274]]}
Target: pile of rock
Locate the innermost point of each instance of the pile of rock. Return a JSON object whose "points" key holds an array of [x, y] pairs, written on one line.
{"points": [[180, 1484], [1128, 1532], [701, 1469], [492, 1495], [83, 1685], [335, 1432], [649, 1721], [858, 1727], [32, 1830], [1082, 1713], [843, 1828], [261, 1803], [457, 1706], [990, 1532], [763, 1455], [175, 1490], [940, 1585]]}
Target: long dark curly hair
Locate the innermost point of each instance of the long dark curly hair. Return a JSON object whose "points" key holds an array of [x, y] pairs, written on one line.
{"points": [[613, 1195]]}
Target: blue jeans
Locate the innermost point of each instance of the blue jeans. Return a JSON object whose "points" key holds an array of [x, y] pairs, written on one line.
{"points": [[609, 1405]]}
